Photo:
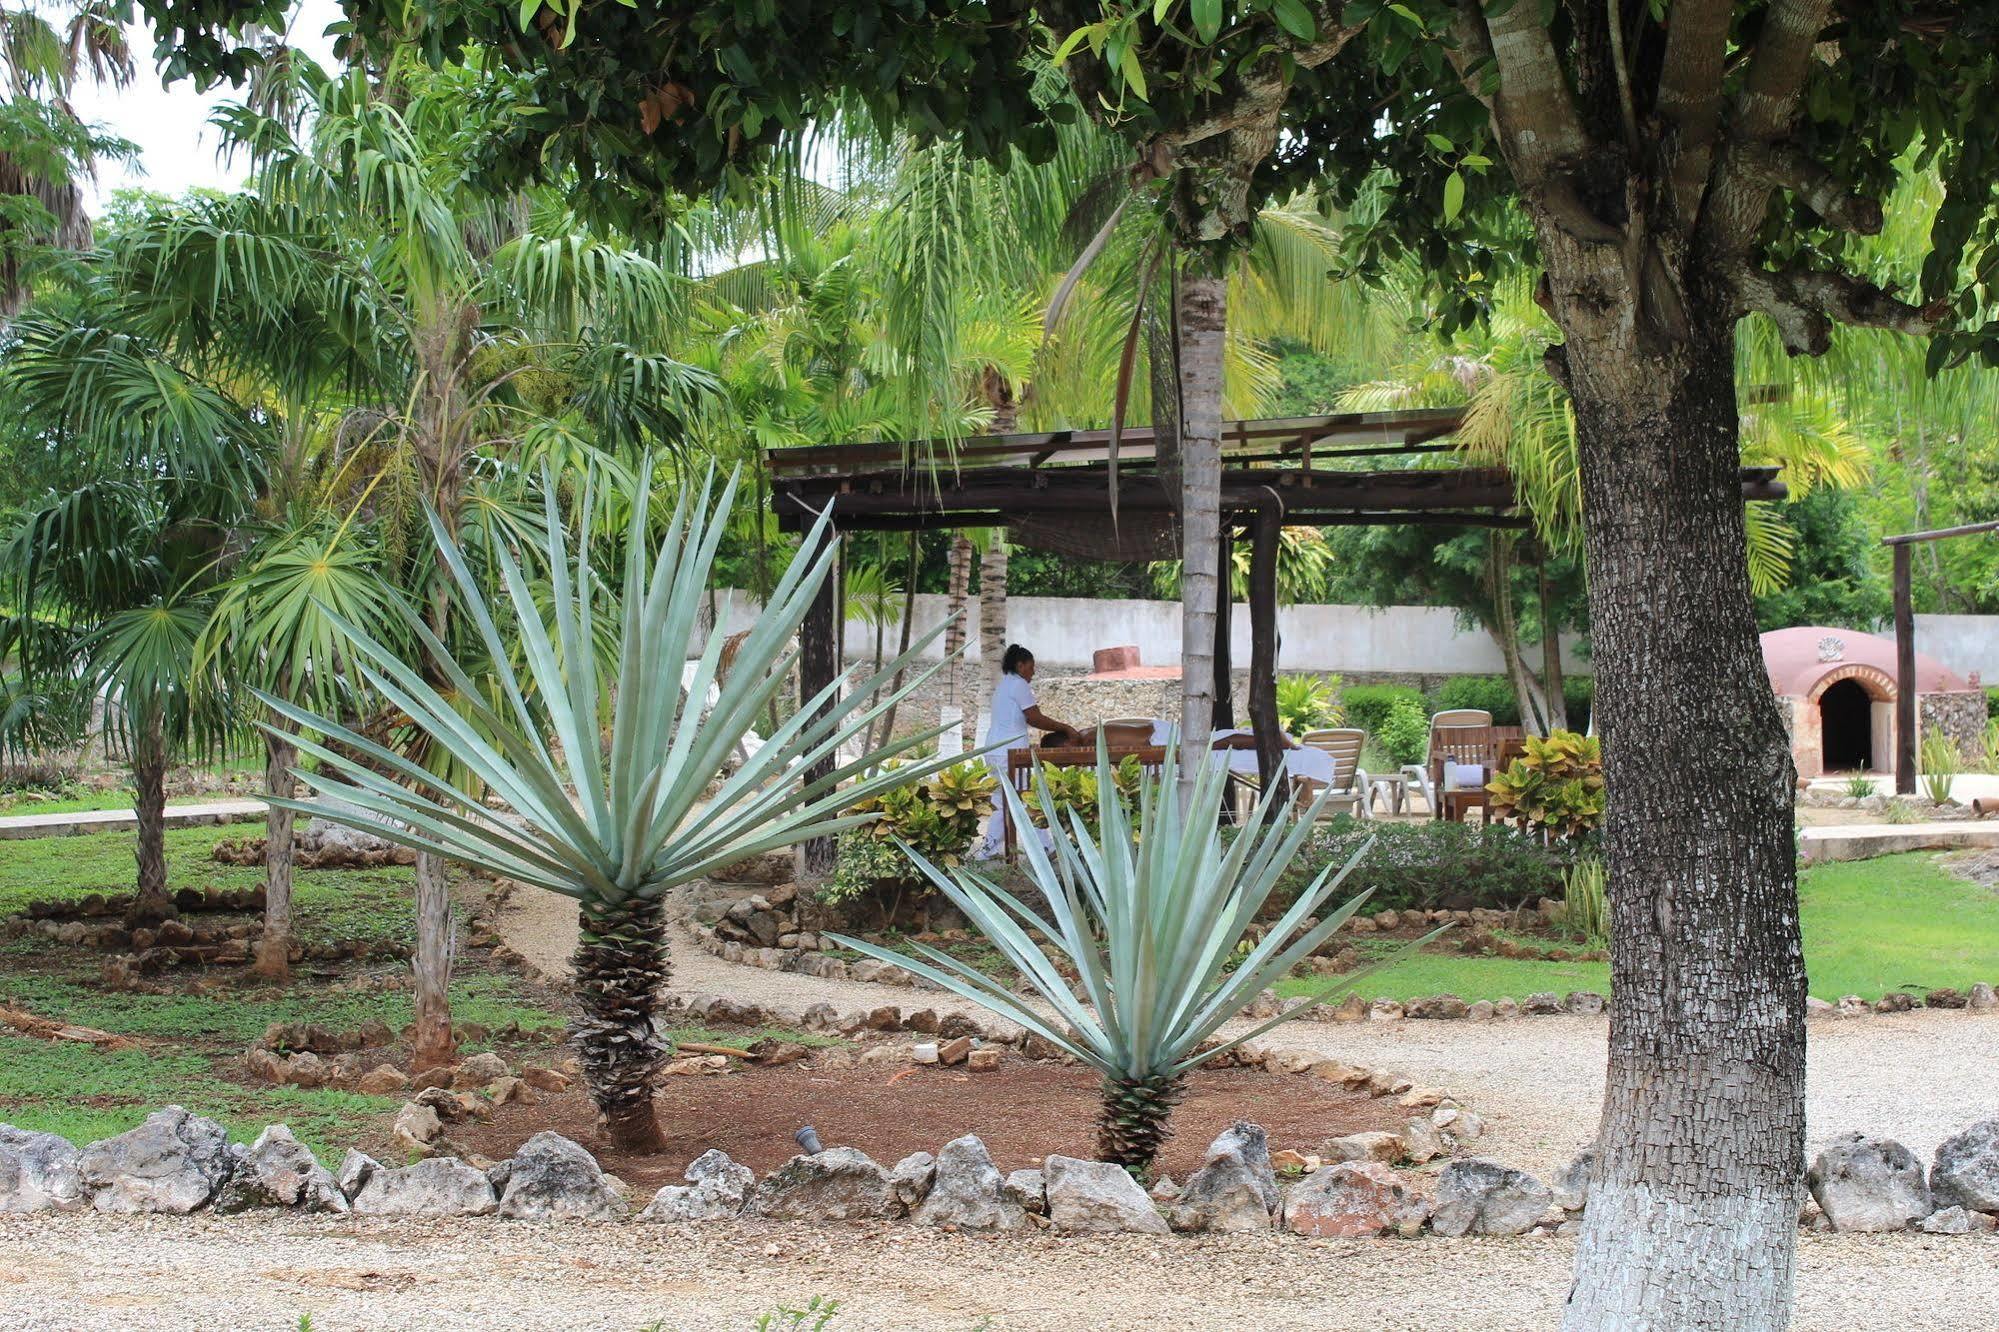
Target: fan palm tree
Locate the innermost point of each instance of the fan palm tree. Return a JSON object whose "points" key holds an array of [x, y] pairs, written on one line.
{"points": [[615, 825]]}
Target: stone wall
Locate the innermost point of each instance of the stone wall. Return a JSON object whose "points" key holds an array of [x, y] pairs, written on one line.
{"points": [[1959, 715]]}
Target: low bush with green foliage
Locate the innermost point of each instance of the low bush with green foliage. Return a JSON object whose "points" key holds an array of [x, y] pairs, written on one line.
{"points": [[1074, 793], [1308, 702], [940, 817], [1941, 762], [1368, 706], [1555, 789], [1434, 864], [1489, 692], [1405, 735], [1586, 900]]}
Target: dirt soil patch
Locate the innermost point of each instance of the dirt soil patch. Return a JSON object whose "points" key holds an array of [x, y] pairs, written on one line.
{"points": [[1023, 1111]]}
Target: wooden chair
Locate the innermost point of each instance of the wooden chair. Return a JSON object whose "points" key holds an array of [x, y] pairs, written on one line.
{"points": [[1020, 768], [1489, 748], [1349, 785], [1419, 773]]}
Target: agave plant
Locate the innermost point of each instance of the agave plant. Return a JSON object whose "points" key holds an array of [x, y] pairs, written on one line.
{"points": [[1155, 928], [614, 824]]}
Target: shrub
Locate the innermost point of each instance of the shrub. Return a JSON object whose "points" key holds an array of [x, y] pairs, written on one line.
{"points": [[1308, 702], [1859, 786], [1555, 788], [1586, 900], [1992, 701], [940, 817], [1075, 790], [1941, 763], [1434, 864], [1579, 694], [1406, 733], [1368, 706], [1488, 692]]}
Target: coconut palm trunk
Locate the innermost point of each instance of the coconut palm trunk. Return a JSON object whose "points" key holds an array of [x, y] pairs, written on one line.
{"points": [[1203, 311], [956, 592], [273, 958], [621, 965]]}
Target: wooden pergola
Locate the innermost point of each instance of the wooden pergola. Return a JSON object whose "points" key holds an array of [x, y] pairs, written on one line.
{"points": [[1054, 490]]}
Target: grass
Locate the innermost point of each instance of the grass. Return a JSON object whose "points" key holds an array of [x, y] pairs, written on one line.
{"points": [[1870, 926], [330, 904]]}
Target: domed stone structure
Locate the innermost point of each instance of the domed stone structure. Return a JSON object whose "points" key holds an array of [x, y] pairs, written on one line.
{"points": [[1838, 690]]}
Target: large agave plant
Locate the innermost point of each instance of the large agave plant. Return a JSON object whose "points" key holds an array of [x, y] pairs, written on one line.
{"points": [[1154, 927], [614, 825]]}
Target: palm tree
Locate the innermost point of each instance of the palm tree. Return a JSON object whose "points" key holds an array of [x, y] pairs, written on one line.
{"points": [[420, 339], [614, 824], [45, 149], [275, 629]]}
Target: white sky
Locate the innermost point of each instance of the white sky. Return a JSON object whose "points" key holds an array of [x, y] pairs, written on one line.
{"points": [[177, 147]]}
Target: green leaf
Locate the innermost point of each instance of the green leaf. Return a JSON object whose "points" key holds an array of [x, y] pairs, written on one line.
{"points": [[1411, 15], [1454, 196], [1207, 19], [1159, 8], [1440, 143], [1074, 40], [528, 7], [1133, 71], [1296, 19]]}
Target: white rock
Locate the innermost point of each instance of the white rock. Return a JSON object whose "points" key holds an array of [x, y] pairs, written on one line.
{"points": [[1957, 1221], [277, 1170], [1096, 1197], [1868, 1184], [910, 1180], [1235, 1188], [967, 1191], [554, 1179], [38, 1172], [1481, 1197], [439, 1186], [838, 1184], [716, 1189], [1966, 1170], [1029, 1188], [174, 1162]]}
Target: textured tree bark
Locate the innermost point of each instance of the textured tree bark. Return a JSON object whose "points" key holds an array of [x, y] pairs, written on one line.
{"points": [[621, 964], [818, 657], [149, 807], [1203, 319], [956, 592], [1224, 652], [1693, 1207], [992, 615], [273, 959], [436, 942], [1551, 655]]}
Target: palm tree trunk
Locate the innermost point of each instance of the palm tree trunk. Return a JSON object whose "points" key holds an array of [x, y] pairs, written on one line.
{"points": [[1551, 656], [1203, 321], [621, 965], [992, 613], [1693, 1203], [433, 1043], [149, 806], [954, 633], [273, 960], [1132, 1120], [909, 572]]}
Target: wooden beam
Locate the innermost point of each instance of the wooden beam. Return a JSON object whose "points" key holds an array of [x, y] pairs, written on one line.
{"points": [[1938, 534], [818, 655], [1265, 536], [1224, 667], [1905, 674]]}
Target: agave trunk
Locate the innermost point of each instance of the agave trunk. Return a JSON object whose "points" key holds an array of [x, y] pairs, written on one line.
{"points": [[1131, 1127], [620, 966]]}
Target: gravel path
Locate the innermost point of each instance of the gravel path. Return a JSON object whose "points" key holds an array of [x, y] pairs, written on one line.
{"points": [[1917, 1077], [168, 1273]]}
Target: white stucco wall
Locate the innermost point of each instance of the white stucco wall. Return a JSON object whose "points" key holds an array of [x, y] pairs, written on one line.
{"points": [[1064, 632], [1965, 643]]}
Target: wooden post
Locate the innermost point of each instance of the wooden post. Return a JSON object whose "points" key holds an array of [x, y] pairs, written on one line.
{"points": [[818, 663], [1224, 665], [1263, 642], [1905, 675]]}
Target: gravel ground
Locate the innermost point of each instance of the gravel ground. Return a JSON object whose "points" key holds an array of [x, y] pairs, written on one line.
{"points": [[162, 1274], [1538, 1081]]}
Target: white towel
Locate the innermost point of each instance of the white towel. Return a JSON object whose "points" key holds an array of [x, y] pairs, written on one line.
{"points": [[1463, 776]]}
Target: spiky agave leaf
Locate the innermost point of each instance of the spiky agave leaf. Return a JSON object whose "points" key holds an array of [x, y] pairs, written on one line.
{"points": [[1150, 926]]}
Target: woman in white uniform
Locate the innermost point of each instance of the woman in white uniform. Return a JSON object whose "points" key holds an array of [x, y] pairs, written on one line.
{"points": [[1009, 720]]}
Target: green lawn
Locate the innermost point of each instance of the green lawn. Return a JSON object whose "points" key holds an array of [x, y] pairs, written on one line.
{"points": [[331, 904], [1900, 922]]}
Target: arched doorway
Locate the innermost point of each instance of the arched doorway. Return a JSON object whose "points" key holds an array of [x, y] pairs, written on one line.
{"points": [[1846, 724]]}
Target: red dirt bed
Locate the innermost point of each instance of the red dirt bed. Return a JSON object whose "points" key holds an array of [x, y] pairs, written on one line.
{"points": [[1023, 1111]]}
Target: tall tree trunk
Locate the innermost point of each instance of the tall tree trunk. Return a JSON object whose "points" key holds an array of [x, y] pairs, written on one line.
{"points": [[149, 807], [432, 1043], [1203, 319], [1551, 654], [818, 665], [955, 675], [273, 960], [1693, 1207], [992, 614], [909, 572], [621, 964], [1505, 630]]}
